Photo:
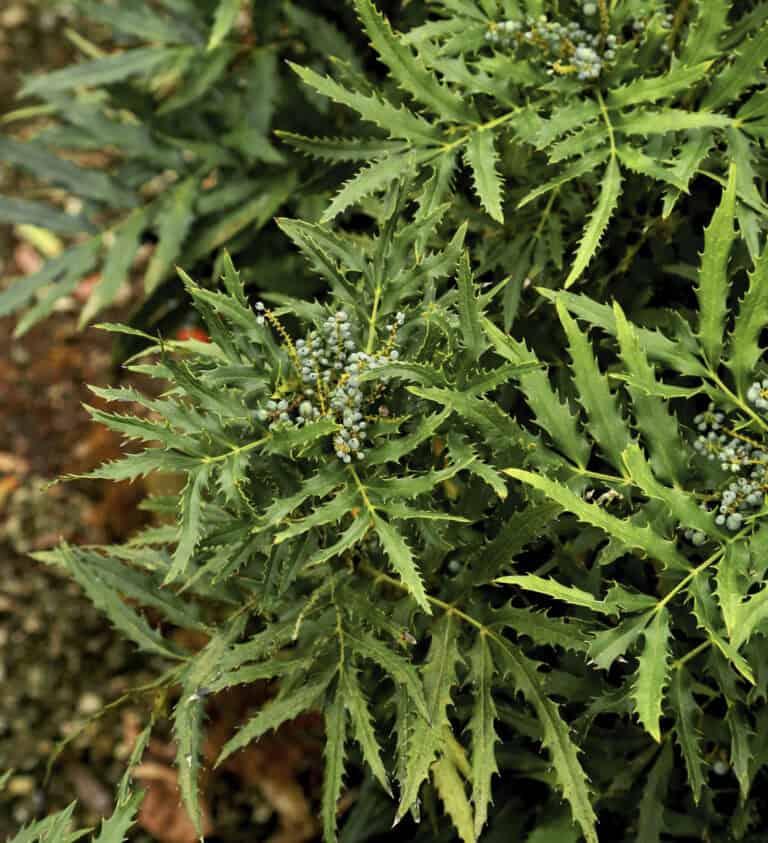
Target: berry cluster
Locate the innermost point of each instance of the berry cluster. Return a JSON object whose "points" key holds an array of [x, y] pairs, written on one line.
{"points": [[570, 48], [737, 454], [329, 363]]}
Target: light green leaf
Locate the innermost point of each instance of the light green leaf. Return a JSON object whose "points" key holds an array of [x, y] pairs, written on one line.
{"points": [[607, 645], [552, 588], [469, 311], [223, 21], [106, 599], [372, 178], [402, 561], [190, 519], [399, 668], [567, 769], [333, 774], [714, 284], [481, 727], [452, 792], [604, 419], [742, 737], [651, 677], [407, 69], [114, 829], [686, 730], [287, 705], [642, 538], [610, 189], [744, 351], [357, 706], [744, 71], [648, 89], [482, 158], [551, 414], [683, 506], [398, 122], [439, 677], [658, 425]]}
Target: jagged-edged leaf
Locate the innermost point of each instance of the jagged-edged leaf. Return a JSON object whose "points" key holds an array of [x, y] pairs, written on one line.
{"points": [[342, 149], [749, 616], [571, 634], [610, 188], [657, 345], [744, 349], [402, 561], [407, 69], [335, 716], [482, 158], [557, 740], [439, 677], [453, 794], [686, 729], [663, 120], [552, 588], [635, 159], [398, 667], [288, 704], [469, 310], [190, 519], [604, 419], [732, 585], [551, 413], [360, 715], [742, 737], [713, 287], [481, 727], [744, 71], [351, 537], [122, 819], [393, 450], [651, 677], [609, 644], [329, 512], [102, 71], [398, 122], [648, 89], [710, 24], [683, 506], [574, 170], [129, 622], [376, 176], [654, 419], [462, 450], [650, 821], [708, 619], [629, 534], [698, 143], [175, 219]]}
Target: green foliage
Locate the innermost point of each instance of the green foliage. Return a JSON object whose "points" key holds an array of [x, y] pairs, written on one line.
{"points": [[506, 537]]}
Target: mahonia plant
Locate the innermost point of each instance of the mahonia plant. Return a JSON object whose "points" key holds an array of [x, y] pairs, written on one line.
{"points": [[515, 585]]}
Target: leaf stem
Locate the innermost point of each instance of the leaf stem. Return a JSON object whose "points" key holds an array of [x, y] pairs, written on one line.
{"points": [[606, 118]]}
